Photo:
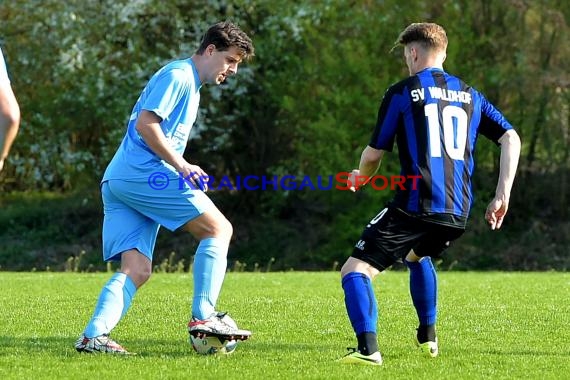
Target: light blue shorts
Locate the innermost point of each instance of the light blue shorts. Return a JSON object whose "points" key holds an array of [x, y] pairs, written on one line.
{"points": [[134, 212]]}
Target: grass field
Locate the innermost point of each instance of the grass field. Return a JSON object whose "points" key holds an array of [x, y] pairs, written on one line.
{"points": [[491, 326]]}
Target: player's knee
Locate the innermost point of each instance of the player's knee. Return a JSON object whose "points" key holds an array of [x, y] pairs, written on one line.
{"points": [[359, 266], [346, 269], [210, 224], [140, 277], [219, 228], [224, 229], [343, 272], [138, 274]]}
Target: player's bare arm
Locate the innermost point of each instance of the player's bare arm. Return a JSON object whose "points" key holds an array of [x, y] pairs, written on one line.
{"points": [[9, 121], [149, 128], [510, 152], [370, 161]]}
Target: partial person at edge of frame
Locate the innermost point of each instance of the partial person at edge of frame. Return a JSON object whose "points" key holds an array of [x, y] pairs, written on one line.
{"points": [[9, 113]]}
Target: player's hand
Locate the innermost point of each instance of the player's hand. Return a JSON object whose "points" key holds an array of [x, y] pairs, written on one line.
{"points": [[1, 165], [352, 180], [195, 175], [496, 212], [357, 180]]}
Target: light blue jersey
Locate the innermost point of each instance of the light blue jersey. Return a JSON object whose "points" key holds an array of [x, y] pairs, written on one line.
{"points": [[173, 94], [3, 72]]}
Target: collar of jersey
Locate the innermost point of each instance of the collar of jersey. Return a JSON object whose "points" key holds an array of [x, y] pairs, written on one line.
{"points": [[196, 76], [430, 69]]}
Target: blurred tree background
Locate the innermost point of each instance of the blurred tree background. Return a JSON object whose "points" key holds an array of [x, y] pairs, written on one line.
{"points": [[306, 105]]}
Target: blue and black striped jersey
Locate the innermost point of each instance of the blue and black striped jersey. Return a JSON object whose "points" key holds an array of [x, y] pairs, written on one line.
{"points": [[435, 119]]}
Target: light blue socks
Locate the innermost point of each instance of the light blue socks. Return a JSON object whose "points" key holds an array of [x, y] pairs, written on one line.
{"points": [[114, 301], [209, 271]]}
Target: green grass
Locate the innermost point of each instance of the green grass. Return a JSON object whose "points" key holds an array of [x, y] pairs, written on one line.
{"points": [[491, 326]]}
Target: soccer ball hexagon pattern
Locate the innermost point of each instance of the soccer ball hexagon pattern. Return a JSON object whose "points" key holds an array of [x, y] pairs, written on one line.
{"points": [[211, 345]]}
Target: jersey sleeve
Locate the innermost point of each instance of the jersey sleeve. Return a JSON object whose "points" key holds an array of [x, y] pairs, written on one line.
{"points": [[493, 124], [3, 72], [166, 93], [387, 122]]}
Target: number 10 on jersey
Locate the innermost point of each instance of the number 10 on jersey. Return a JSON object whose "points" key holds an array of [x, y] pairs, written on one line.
{"points": [[454, 121]]}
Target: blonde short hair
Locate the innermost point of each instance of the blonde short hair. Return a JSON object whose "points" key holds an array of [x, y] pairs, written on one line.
{"points": [[429, 35]]}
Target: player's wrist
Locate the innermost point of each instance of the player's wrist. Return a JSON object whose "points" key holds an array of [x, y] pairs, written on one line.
{"points": [[180, 165], [502, 196]]}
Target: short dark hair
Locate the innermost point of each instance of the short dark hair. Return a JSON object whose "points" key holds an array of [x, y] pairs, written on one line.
{"points": [[224, 35], [431, 36]]}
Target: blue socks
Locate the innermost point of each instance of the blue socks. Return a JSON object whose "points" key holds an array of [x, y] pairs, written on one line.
{"points": [[114, 301], [209, 271], [362, 310], [423, 289], [362, 307]]}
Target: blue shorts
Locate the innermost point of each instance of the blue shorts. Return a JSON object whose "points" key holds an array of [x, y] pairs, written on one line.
{"points": [[134, 212]]}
